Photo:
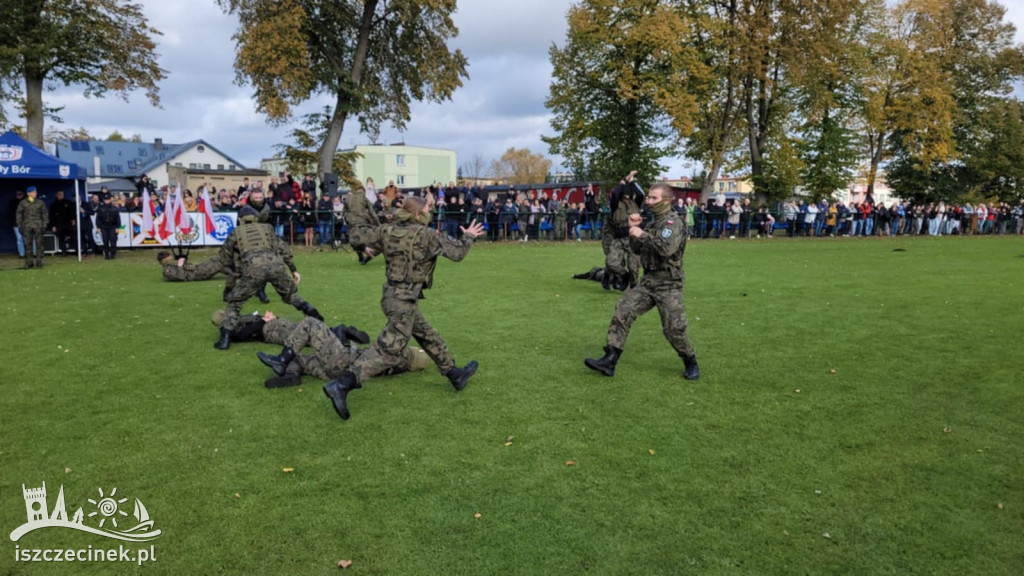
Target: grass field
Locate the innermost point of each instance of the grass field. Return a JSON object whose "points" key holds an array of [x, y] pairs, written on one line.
{"points": [[908, 459]]}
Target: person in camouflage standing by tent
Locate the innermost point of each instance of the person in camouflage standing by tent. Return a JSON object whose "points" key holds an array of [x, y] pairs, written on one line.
{"points": [[31, 218], [661, 253], [410, 249], [260, 257]]}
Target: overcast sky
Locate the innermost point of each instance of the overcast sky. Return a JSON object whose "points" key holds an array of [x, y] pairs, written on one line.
{"points": [[500, 105]]}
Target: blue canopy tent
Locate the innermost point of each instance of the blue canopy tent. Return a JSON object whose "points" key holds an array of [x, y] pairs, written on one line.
{"points": [[23, 165]]}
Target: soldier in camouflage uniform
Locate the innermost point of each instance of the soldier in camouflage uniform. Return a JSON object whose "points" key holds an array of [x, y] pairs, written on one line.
{"points": [[360, 217], [621, 264], [410, 250], [257, 202], [261, 257], [661, 253], [334, 348], [32, 217], [181, 270]]}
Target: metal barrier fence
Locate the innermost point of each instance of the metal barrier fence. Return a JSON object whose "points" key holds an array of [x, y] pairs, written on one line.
{"points": [[565, 225]]}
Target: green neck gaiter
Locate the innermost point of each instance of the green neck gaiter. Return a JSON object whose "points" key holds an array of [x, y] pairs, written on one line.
{"points": [[661, 208]]}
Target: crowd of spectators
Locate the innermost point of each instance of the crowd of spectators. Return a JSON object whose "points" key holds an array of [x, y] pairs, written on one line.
{"points": [[516, 214]]}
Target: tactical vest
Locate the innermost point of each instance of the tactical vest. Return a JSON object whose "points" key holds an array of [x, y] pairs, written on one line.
{"points": [[404, 263], [626, 206], [254, 238], [672, 265]]}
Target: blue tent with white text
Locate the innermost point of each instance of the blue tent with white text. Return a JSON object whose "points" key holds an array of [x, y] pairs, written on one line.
{"points": [[23, 165]]}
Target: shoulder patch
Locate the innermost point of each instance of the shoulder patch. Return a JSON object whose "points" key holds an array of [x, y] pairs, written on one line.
{"points": [[669, 223], [666, 233]]}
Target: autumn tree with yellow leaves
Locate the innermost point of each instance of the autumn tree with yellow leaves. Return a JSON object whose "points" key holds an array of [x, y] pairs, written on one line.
{"points": [[374, 57]]}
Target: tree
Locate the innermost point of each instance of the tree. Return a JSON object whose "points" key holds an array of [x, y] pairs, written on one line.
{"points": [[475, 168], [116, 136], [520, 166], [374, 57], [55, 133], [621, 87], [303, 157], [99, 45]]}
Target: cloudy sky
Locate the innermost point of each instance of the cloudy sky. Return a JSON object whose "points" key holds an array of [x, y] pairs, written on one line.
{"points": [[500, 105]]}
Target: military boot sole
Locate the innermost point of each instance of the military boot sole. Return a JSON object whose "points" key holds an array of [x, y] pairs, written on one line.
{"points": [[337, 394]]}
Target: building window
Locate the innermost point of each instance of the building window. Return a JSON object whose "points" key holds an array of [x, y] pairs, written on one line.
{"points": [[400, 180], [400, 159], [231, 166], [220, 166], [206, 166], [99, 150], [200, 148], [192, 165]]}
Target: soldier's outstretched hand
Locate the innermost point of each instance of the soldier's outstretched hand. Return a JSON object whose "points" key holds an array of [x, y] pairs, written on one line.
{"points": [[297, 278], [475, 229]]}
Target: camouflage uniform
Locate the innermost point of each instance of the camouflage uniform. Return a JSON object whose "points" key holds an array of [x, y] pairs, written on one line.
{"points": [[261, 257], [32, 218], [625, 201], [263, 217], [410, 251], [189, 272], [359, 218], [661, 253]]}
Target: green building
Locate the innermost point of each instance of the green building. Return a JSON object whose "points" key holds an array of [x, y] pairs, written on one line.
{"points": [[407, 166]]}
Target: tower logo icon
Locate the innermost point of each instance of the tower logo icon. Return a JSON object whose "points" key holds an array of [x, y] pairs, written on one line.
{"points": [[107, 513]]}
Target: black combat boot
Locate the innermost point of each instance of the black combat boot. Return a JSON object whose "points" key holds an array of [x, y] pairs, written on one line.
{"points": [[363, 258], [337, 391], [605, 364], [346, 333], [606, 280], [310, 311], [225, 340], [584, 276], [279, 363], [460, 376], [692, 372], [262, 295], [288, 379]]}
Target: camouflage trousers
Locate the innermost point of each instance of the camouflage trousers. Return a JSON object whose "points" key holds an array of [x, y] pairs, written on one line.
{"points": [[194, 272], [619, 259], [405, 322], [667, 295], [330, 358], [254, 277], [33, 245]]}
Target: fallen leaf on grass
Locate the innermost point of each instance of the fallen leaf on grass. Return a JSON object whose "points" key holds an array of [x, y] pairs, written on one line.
{"points": [[300, 391], [832, 371], [477, 515], [570, 463], [508, 443], [1000, 505], [344, 564], [237, 495], [797, 391], [651, 451], [785, 532], [947, 430], [67, 470], [827, 535], [287, 470]]}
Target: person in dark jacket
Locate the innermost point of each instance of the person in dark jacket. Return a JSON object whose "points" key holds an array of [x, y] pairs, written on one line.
{"points": [[108, 220], [12, 211], [62, 222]]}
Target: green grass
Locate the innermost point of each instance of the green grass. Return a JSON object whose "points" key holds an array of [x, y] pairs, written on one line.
{"points": [[110, 372]]}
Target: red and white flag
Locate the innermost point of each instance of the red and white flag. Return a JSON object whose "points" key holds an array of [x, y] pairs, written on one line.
{"points": [[181, 219], [148, 225], [207, 210], [167, 228]]}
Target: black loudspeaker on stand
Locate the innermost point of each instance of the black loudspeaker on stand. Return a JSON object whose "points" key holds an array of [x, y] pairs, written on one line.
{"points": [[329, 183]]}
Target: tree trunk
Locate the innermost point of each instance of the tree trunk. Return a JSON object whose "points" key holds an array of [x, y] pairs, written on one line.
{"points": [[325, 162], [877, 147], [709, 180], [33, 105]]}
